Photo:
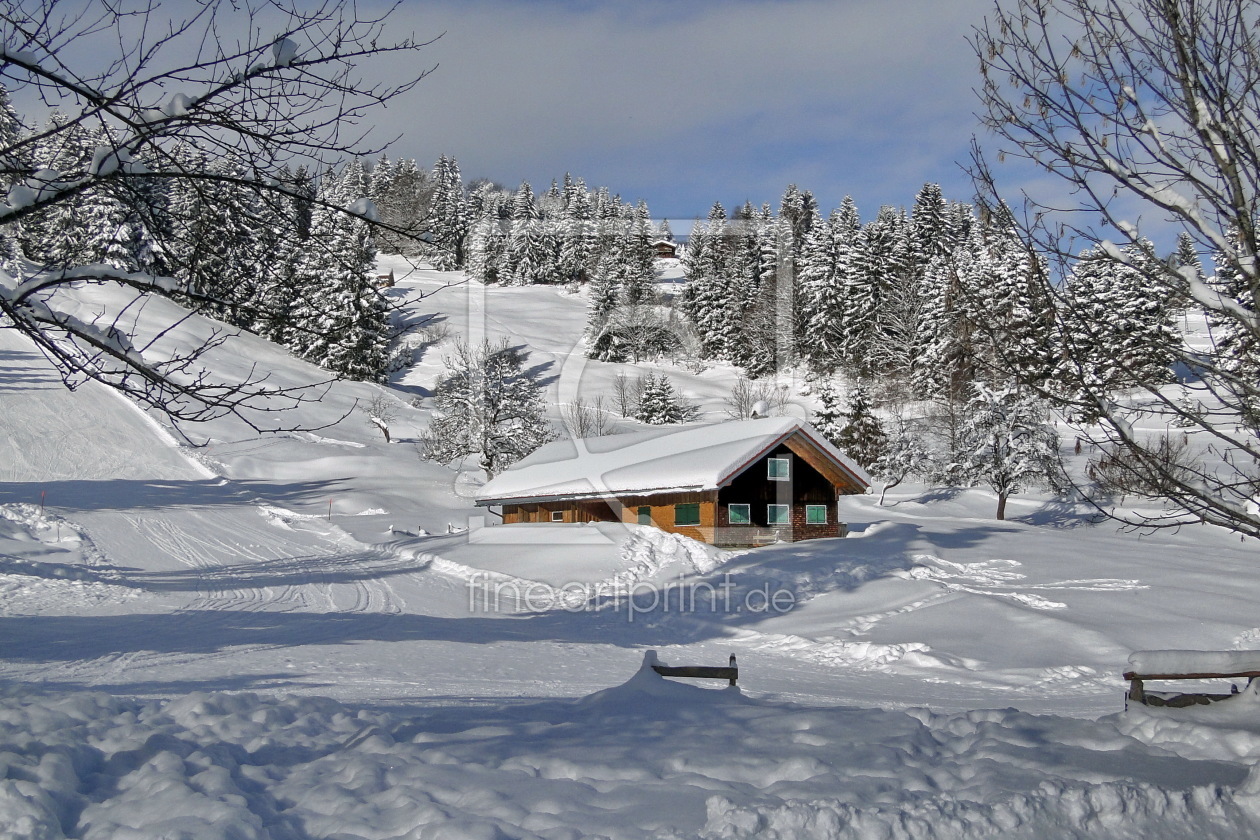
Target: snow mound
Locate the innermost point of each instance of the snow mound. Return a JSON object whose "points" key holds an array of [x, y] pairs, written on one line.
{"points": [[1056, 809], [652, 757], [648, 551]]}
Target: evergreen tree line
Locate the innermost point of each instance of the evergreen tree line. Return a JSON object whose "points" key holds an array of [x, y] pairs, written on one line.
{"points": [[285, 265], [569, 235], [924, 302]]}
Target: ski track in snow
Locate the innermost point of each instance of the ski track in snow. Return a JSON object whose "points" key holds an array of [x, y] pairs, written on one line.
{"points": [[997, 578]]}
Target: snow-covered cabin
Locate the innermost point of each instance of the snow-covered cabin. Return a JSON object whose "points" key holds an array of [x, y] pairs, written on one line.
{"points": [[665, 249], [746, 482]]}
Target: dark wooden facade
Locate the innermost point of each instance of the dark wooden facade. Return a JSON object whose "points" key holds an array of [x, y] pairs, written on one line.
{"points": [[813, 480]]}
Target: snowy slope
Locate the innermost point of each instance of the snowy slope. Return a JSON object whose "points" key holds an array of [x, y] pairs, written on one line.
{"points": [[165, 570]]}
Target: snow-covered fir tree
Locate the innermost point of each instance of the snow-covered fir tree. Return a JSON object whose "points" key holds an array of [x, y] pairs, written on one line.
{"points": [[285, 226], [711, 299], [638, 272], [220, 250], [862, 436], [341, 321], [531, 254], [660, 404], [1121, 330], [449, 217], [487, 239], [1005, 306], [829, 420], [577, 231], [1008, 442]]}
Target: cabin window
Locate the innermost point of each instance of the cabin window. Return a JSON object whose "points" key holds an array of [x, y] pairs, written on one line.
{"points": [[557, 516], [688, 514], [778, 469], [778, 514], [645, 515], [815, 514], [739, 514]]}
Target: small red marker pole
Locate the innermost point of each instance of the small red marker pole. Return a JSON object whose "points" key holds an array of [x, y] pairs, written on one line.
{"points": [[41, 501]]}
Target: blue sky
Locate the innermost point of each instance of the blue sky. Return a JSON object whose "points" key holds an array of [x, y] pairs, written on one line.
{"points": [[683, 104]]}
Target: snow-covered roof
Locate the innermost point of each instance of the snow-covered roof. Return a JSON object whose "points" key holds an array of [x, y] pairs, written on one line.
{"points": [[664, 460]]}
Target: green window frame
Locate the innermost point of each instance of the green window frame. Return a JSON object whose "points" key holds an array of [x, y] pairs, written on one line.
{"points": [[779, 469], [644, 515], [815, 514], [778, 514], [687, 513], [739, 514]]}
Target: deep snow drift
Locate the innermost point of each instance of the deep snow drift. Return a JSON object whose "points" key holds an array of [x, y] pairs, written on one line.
{"points": [[175, 613]]}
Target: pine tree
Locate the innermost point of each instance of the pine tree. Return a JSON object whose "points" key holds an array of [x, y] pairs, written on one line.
{"points": [[12, 159], [342, 322], [448, 220], [285, 227], [637, 268], [220, 247], [12, 162], [487, 240], [663, 232], [862, 436], [1122, 332], [825, 258], [1008, 443], [660, 404], [576, 233], [878, 259], [488, 405], [605, 294], [945, 360], [401, 193], [1005, 304], [1185, 260], [531, 254], [712, 300], [829, 420]]}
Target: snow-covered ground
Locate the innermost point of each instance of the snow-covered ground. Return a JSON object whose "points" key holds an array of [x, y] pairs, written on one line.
{"points": [[235, 635]]}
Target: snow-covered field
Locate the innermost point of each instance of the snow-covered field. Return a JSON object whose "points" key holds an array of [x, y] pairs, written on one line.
{"points": [[239, 635]]}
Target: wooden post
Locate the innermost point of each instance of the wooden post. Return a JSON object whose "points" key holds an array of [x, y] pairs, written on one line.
{"points": [[734, 670]]}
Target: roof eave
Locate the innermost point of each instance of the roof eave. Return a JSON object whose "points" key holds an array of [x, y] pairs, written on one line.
{"points": [[592, 496]]}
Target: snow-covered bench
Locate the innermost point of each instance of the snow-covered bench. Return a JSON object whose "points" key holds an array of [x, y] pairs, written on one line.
{"points": [[1146, 665], [703, 672]]}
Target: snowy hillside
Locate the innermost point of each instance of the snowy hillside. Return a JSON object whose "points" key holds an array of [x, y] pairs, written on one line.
{"points": [[297, 635]]}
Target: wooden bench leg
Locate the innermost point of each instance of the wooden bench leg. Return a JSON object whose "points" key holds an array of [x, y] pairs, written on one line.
{"points": [[1136, 694]]}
